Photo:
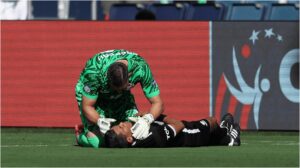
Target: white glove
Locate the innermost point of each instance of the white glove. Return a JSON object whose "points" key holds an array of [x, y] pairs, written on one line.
{"points": [[140, 130], [104, 124], [133, 119]]}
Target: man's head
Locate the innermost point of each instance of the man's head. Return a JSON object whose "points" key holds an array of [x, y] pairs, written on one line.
{"points": [[119, 136], [145, 15], [118, 76]]}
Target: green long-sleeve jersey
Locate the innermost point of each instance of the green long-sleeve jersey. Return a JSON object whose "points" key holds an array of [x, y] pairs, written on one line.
{"points": [[94, 76]]}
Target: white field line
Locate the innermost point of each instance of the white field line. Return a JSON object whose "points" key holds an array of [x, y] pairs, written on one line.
{"points": [[38, 145], [283, 143], [286, 144]]}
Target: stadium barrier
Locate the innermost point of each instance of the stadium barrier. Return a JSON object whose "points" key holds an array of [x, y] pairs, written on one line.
{"points": [[250, 69]]}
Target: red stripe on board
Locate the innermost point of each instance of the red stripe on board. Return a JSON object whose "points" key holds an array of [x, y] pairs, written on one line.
{"points": [[232, 105], [220, 98], [245, 116]]}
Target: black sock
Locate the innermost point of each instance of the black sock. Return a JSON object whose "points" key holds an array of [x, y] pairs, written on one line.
{"points": [[219, 136]]}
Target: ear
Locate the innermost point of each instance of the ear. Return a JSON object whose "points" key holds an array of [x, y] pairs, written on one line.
{"points": [[129, 139]]}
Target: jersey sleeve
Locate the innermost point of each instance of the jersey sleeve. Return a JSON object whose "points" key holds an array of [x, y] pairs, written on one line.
{"points": [[89, 78], [149, 85]]}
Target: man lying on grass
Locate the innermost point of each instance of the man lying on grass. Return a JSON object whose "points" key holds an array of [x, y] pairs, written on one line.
{"points": [[167, 132]]}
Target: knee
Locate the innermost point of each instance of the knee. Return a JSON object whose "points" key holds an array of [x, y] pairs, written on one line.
{"points": [[93, 140], [212, 123], [89, 140]]}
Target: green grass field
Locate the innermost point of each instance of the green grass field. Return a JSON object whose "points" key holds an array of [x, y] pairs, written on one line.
{"points": [[44, 147]]}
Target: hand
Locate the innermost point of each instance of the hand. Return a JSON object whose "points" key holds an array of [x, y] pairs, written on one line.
{"points": [[141, 114], [104, 124], [140, 130]]}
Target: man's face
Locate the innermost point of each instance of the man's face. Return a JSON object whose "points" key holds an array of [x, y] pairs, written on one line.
{"points": [[123, 129]]}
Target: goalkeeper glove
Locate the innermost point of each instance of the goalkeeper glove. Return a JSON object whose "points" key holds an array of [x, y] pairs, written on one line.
{"points": [[104, 124], [140, 130]]}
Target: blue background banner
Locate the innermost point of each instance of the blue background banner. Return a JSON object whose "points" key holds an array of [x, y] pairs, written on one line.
{"points": [[255, 73]]}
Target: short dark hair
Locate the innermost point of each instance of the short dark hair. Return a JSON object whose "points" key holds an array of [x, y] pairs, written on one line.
{"points": [[117, 75], [145, 15], [112, 140]]}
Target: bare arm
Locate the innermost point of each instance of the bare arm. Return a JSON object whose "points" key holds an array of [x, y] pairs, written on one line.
{"points": [[157, 106], [176, 124], [89, 110]]}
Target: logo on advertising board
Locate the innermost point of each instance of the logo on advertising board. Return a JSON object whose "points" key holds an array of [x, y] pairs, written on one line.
{"points": [[255, 73]]}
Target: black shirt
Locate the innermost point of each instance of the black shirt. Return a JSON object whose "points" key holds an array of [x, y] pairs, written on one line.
{"points": [[195, 133]]}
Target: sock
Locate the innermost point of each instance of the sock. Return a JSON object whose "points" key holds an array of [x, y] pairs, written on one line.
{"points": [[225, 140], [220, 137]]}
